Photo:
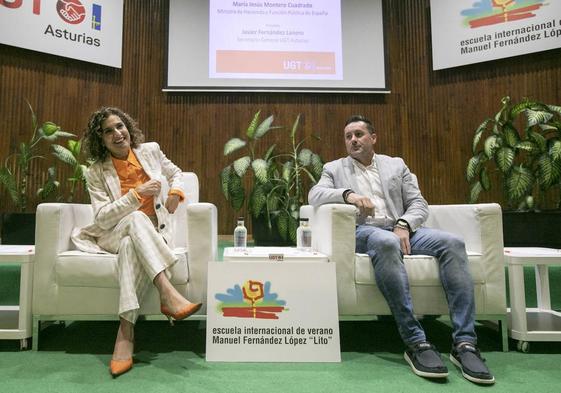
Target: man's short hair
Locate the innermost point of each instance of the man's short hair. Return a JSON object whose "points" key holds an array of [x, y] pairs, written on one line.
{"points": [[364, 119]]}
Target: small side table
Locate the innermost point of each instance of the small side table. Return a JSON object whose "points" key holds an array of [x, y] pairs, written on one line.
{"points": [[532, 324], [15, 321]]}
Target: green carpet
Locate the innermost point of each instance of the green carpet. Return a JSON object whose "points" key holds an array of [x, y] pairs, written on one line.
{"points": [[75, 358]]}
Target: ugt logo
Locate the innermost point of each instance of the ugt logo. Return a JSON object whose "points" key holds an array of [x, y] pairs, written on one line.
{"points": [[490, 12], [252, 300], [71, 11]]}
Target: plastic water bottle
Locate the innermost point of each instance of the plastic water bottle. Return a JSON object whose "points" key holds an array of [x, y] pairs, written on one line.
{"points": [[240, 235], [304, 236]]}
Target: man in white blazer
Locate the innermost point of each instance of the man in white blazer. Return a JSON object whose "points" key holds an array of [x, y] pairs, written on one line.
{"points": [[132, 219], [390, 225]]}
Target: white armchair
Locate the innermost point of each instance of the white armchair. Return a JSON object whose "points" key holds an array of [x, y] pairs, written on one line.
{"points": [[480, 225], [73, 285]]}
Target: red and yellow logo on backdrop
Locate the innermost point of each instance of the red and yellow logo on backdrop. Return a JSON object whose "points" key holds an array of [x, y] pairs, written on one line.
{"points": [[253, 299], [491, 12]]}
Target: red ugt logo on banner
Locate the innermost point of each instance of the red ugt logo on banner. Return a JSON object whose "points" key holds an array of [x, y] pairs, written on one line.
{"points": [[71, 11]]}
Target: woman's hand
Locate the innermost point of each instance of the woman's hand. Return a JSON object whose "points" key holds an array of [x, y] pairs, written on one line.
{"points": [[150, 188], [172, 202]]}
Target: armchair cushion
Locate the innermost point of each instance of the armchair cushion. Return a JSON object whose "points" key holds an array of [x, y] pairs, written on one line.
{"points": [[80, 269]]}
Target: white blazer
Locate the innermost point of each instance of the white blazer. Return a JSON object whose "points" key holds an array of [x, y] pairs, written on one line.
{"points": [[109, 206]]}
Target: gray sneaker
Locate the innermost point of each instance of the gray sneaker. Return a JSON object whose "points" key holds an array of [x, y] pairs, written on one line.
{"points": [[425, 361], [467, 358]]}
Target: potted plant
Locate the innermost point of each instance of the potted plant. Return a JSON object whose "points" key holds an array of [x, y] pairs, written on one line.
{"points": [[279, 181], [15, 175], [520, 146]]}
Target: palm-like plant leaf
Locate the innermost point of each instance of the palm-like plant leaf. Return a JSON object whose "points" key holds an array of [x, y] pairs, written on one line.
{"points": [[65, 155], [504, 159], [527, 146], [260, 170], [317, 166], [491, 144], [554, 108], [75, 147], [295, 126], [253, 125], [473, 166], [258, 201], [282, 225], [292, 227], [56, 135], [555, 149], [305, 157], [264, 127], [484, 179], [537, 117], [475, 190], [225, 180], [520, 107], [538, 139], [510, 135], [233, 144], [519, 182], [478, 133], [241, 165], [236, 191], [287, 170], [548, 171]]}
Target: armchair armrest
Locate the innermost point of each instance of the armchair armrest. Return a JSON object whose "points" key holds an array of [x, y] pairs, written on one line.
{"points": [[333, 234], [202, 243], [55, 222]]}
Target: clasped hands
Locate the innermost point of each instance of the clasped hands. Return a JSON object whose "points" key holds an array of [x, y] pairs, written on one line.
{"points": [[366, 208], [152, 188]]}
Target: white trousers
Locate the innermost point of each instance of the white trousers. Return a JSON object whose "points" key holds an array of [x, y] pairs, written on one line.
{"points": [[142, 254]]}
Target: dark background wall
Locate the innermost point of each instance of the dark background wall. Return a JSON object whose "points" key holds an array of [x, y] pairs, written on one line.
{"points": [[428, 118]]}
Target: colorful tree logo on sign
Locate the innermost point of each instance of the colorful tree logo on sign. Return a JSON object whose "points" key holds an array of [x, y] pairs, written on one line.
{"points": [[491, 12], [253, 299]]}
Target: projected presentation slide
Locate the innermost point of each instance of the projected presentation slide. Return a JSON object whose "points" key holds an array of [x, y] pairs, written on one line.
{"points": [[283, 45], [275, 40]]}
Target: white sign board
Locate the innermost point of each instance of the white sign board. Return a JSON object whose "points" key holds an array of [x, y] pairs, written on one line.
{"points": [[470, 31], [89, 30], [272, 312]]}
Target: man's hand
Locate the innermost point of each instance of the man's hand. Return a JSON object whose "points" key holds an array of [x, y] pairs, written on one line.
{"points": [[364, 204], [172, 202], [150, 188], [403, 235]]}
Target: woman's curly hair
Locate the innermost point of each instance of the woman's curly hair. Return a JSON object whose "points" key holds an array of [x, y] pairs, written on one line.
{"points": [[93, 137]]}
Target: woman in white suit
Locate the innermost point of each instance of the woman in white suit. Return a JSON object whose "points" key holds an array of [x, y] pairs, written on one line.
{"points": [[131, 219]]}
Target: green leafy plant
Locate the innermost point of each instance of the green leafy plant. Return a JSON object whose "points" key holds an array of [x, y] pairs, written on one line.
{"points": [[71, 155], [522, 142], [16, 172], [279, 181]]}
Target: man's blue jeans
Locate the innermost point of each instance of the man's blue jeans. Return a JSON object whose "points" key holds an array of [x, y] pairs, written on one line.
{"points": [[383, 247]]}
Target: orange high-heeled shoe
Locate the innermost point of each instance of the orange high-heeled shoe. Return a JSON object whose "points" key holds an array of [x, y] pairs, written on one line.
{"points": [[186, 311], [118, 367]]}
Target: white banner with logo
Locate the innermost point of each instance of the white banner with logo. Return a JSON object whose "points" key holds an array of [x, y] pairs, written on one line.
{"points": [[89, 30], [470, 31], [272, 312]]}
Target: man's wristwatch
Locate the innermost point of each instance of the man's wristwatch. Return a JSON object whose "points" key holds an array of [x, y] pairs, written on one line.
{"points": [[346, 194], [401, 223]]}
